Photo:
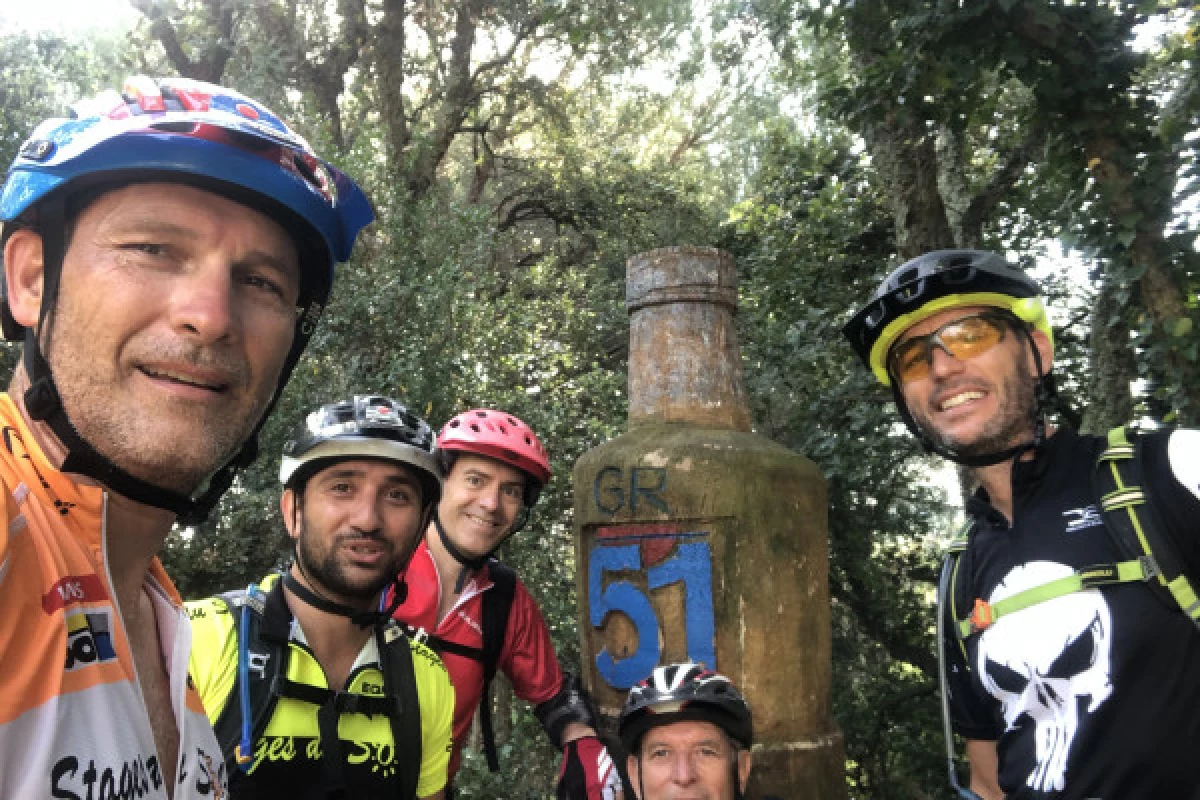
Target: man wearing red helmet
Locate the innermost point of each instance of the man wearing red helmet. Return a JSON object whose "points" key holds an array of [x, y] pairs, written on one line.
{"points": [[479, 616]]}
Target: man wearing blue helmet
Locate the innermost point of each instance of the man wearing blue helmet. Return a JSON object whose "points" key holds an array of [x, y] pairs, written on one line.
{"points": [[167, 252], [1069, 625]]}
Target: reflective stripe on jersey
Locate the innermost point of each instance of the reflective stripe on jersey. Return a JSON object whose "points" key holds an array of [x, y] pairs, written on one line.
{"points": [[287, 755], [72, 720]]}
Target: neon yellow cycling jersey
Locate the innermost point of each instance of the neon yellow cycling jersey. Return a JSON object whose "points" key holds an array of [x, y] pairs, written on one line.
{"points": [[287, 755]]}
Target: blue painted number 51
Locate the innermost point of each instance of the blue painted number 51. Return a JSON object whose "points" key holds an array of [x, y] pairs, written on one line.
{"points": [[691, 564]]}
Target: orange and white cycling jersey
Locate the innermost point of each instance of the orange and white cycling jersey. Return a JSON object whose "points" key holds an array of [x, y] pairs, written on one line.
{"points": [[73, 723]]}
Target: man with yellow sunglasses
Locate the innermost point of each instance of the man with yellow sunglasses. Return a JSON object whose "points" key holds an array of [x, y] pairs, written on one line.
{"points": [[1070, 660]]}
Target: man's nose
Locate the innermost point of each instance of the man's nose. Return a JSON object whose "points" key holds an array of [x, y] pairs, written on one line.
{"points": [[202, 303], [941, 361]]}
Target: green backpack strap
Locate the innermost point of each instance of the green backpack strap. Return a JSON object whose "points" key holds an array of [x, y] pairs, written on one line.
{"points": [[985, 614], [1136, 527], [1131, 521]]}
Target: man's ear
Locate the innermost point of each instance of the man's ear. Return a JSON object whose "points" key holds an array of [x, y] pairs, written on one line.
{"points": [[1045, 351], [743, 767], [287, 507], [632, 769], [24, 270]]}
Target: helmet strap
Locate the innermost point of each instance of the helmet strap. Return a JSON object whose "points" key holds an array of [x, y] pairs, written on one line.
{"points": [[469, 565], [363, 619]]}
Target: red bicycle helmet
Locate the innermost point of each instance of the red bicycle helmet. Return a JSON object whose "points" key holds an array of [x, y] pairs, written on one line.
{"points": [[499, 435]]}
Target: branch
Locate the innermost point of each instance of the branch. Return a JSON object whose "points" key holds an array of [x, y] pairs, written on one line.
{"points": [[876, 629]]}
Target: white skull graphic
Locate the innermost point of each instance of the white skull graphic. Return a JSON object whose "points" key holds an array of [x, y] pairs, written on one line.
{"points": [[1047, 665]]}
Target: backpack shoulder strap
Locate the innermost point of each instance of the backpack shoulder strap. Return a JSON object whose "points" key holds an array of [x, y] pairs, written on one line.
{"points": [[259, 618], [948, 583], [1129, 516], [497, 604], [400, 682]]}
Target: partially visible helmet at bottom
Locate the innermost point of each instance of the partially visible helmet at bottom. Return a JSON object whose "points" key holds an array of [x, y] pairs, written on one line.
{"points": [[684, 692]]}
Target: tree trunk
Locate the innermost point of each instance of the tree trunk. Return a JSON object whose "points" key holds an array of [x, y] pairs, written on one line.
{"points": [[1109, 400]]}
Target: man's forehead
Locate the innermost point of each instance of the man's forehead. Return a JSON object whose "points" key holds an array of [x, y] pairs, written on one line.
{"points": [[384, 469], [685, 731], [494, 467], [178, 207]]}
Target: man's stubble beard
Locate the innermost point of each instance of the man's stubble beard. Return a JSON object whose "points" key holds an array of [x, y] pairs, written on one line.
{"points": [[1012, 424], [319, 564], [131, 442]]}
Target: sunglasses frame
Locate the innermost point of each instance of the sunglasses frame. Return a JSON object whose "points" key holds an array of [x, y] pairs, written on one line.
{"points": [[1004, 324]]}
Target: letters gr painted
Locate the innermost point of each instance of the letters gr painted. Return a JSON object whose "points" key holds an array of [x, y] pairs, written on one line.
{"points": [[666, 556], [645, 488]]}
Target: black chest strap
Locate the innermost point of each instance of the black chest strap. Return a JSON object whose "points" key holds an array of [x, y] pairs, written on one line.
{"points": [[497, 606], [268, 648]]}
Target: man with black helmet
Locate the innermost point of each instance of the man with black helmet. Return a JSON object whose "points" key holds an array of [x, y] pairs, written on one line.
{"points": [[168, 250], [1068, 628], [313, 691], [688, 733]]}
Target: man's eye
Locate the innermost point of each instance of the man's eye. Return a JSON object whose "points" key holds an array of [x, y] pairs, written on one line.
{"points": [[145, 248], [513, 492], [909, 356], [265, 284], [340, 488], [404, 496], [474, 480]]}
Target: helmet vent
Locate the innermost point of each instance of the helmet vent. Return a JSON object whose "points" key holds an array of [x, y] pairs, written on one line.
{"points": [[959, 273], [176, 126], [908, 276], [956, 260]]}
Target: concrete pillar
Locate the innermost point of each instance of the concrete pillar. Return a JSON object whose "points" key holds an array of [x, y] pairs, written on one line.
{"points": [[698, 540]]}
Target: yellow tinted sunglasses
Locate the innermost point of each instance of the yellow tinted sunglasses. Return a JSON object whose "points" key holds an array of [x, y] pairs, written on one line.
{"points": [[963, 338]]}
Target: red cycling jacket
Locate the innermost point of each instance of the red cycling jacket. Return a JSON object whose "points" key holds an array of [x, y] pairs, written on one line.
{"points": [[527, 658]]}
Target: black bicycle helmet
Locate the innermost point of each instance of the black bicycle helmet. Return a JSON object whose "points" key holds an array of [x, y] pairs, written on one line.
{"points": [[365, 426], [680, 692], [932, 283]]}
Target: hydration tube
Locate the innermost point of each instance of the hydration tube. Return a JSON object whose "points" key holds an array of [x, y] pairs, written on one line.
{"points": [[244, 752], [947, 730]]}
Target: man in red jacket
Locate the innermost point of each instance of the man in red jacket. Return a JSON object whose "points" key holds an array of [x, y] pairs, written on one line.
{"points": [[460, 598]]}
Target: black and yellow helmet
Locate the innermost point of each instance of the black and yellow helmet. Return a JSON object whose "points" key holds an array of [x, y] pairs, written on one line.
{"points": [[932, 283]]}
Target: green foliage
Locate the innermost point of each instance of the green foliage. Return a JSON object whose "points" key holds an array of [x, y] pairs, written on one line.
{"points": [[518, 155]]}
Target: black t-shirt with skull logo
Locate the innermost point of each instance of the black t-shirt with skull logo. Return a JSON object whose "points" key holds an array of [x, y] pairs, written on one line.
{"points": [[1096, 694]]}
